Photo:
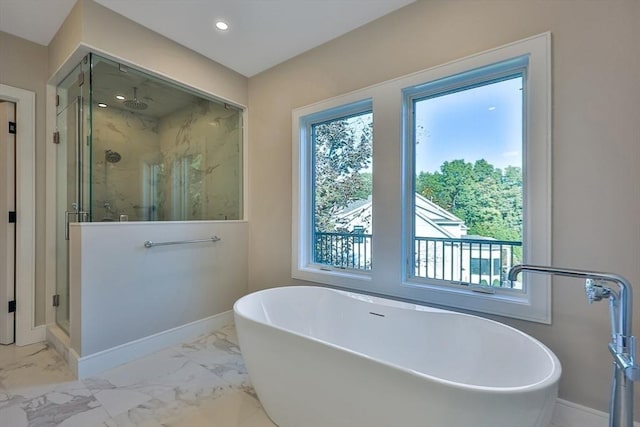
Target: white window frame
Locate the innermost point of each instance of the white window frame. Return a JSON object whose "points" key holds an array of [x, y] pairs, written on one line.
{"points": [[303, 266], [531, 57], [392, 190]]}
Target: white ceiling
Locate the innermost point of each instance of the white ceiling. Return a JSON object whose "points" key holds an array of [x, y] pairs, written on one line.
{"points": [[34, 20], [261, 34]]}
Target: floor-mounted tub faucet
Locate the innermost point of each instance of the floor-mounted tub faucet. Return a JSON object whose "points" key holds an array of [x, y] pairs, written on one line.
{"points": [[622, 345]]}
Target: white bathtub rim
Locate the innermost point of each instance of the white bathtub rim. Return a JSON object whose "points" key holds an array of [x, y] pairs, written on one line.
{"points": [[552, 377]]}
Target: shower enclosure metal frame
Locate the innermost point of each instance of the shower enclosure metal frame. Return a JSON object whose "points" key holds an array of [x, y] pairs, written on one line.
{"points": [[72, 136]]}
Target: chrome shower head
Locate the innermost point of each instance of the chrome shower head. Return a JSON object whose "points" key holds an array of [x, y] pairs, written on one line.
{"points": [[134, 104], [112, 156]]}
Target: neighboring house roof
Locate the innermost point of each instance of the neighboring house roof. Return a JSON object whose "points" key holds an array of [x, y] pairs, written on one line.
{"points": [[477, 237], [435, 211], [355, 214], [431, 219], [434, 221]]}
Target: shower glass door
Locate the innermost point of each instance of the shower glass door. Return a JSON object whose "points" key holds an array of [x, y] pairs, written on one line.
{"points": [[72, 189]]}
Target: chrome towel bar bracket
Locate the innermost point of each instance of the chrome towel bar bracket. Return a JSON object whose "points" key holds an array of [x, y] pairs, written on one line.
{"points": [[150, 244]]}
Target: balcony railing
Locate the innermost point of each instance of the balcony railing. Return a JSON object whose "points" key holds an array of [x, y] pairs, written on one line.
{"points": [[464, 261], [343, 250]]}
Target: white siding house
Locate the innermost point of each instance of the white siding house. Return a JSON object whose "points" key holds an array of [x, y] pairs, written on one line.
{"points": [[443, 250]]}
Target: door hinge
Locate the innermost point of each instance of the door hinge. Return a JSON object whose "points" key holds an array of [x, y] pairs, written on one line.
{"points": [[56, 300], [56, 137], [12, 217], [12, 127], [12, 306], [80, 79], [57, 100]]}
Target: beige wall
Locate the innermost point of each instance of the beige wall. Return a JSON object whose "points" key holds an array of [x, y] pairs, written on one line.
{"points": [[66, 40], [24, 65], [596, 146]]}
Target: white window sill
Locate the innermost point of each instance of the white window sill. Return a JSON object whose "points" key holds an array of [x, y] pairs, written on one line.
{"points": [[532, 306], [332, 276]]}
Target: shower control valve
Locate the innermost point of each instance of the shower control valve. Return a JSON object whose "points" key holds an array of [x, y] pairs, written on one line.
{"points": [[596, 290]]}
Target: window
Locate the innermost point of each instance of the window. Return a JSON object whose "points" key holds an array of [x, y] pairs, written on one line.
{"points": [[477, 181], [342, 193], [337, 144], [466, 134], [461, 192]]}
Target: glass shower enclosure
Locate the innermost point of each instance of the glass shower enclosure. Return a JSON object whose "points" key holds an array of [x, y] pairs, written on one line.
{"points": [[72, 189], [134, 147]]}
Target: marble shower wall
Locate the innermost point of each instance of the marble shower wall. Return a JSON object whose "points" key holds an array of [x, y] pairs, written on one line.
{"points": [[135, 138], [202, 163], [186, 165]]}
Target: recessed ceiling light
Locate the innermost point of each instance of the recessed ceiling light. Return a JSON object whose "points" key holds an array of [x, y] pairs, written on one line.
{"points": [[102, 105], [120, 97], [221, 25]]}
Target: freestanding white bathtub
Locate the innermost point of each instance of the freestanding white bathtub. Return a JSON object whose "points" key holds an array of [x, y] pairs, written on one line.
{"points": [[319, 357]]}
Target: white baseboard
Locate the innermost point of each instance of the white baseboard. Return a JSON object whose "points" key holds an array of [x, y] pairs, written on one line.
{"points": [[93, 364], [569, 414]]}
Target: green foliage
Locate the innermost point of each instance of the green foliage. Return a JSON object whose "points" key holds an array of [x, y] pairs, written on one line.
{"points": [[342, 149], [366, 189], [486, 198]]}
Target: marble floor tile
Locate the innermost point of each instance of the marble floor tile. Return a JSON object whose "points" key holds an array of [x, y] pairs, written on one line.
{"points": [[14, 416], [229, 333], [61, 404], [11, 353], [88, 418], [41, 369], [166, 376], [233, 409], [200, 383], [117, 401], [219, 353], [144, 370]]}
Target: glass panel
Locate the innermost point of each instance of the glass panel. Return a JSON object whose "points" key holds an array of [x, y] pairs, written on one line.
{"points": [[161, 152], [342, 191], [71, 180], [468, 182]]}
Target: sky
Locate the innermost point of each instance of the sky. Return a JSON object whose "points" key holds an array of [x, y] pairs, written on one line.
{"points": [[479, 123]]}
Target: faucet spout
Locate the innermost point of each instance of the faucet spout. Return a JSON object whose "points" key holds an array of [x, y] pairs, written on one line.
{"points": [[623, 325], [622, 344]]}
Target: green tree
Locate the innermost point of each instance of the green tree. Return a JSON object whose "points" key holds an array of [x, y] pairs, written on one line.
{"points": [[342, 149], [366, 189], [486, 198]]}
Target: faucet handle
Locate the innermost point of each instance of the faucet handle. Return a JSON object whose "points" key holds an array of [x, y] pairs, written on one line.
{"points": [[596, 290]]}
